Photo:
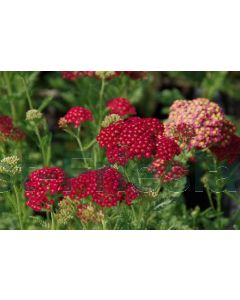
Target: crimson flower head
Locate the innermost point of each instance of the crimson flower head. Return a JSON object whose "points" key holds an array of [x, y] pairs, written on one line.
{"points": [[229, 152], [168, 171], [76, 116], [121, 107], [73, 75], [43, 186], [136, 74], [9, 131], [167, 148], [105, 186], [131, 138]]}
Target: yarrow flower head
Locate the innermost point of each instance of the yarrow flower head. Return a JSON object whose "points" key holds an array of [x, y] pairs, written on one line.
{"points": [[73, 75], [229, 152], [10, 166], [121, 106], [130, 138], [167, 148], [168, 171], [110, 119], [43, 187], [105, 186], [76, 116], [207, 119], [136, 74], [33, 115], [9, 131]]}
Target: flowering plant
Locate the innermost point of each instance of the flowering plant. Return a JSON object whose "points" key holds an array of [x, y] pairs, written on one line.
{"points": [[83, 152]]}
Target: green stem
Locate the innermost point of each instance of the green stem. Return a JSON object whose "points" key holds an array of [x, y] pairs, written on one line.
{"points": [[104, 225], [27, 93], [18, 207], [209, 196], [53, 221], [9, 91], [101, 93], [45, 162], [81, 147]]}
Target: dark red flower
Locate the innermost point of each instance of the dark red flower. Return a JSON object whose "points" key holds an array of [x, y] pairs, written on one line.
{"points": [[9, 131], [136, 74], [105, 186], [43, 186], [168, 171], [130, 138], [121, 107], [229, 152], [77, 115], [167, 148]]}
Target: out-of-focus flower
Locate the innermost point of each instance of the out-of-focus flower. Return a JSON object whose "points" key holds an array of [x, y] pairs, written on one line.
{"points": [[136, 74], [9, 131], [43, 186], [121, 106], [107, 74], [207, 119], [168, 171], [33, 115], [67, 210], [229, 152], [105, 186], [10, 165], [110, 119], [130, 138], [76, 116], [73, 75], [88, 213]]}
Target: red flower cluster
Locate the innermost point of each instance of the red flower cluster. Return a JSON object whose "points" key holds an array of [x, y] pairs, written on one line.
{"points": [[229, 152], [167, 148], [43, 186], [168, 170], [9, 131], [76, 116], [73, 75], [121, 107], [106, 186], [130, 138]]}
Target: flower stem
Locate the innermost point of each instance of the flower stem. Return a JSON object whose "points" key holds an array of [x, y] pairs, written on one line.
{"points": [[53, 221], [81, 147], [27, 93], [18, 207], [101, 93], [9, 91]]}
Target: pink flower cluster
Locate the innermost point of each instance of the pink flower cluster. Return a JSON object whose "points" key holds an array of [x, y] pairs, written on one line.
{"points": [[209, 126], [206, 118]]}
